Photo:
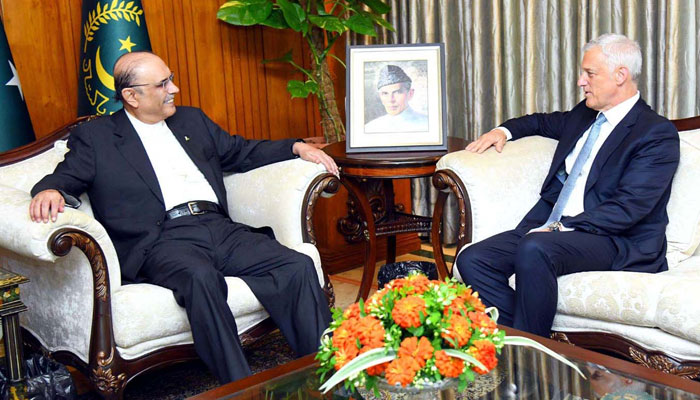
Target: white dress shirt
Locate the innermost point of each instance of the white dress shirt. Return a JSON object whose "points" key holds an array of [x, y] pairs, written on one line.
{"points": [[179, 178], [613, 116]]}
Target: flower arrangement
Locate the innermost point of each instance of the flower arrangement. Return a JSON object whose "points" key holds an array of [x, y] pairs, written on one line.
{"points": [[414, 331]]}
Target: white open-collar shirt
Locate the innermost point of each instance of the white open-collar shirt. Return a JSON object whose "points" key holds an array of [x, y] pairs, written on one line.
{"points": [[179, 178], [613, 117]]}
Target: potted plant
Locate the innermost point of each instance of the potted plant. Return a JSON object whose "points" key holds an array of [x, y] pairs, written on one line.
{"points": [[415, 335], [321, 23]]}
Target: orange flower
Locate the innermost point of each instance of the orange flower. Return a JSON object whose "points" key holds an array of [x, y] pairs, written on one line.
{"points": [[396, 284], [485, 352], [352, 312], [480, 320], [407, 311], [377, 370], [370, 332], [449, 367], [456, 307], [458, 331], [473, 300], [401, 370], [344, 354], [345, 334], [420, 350], [419, 284]]}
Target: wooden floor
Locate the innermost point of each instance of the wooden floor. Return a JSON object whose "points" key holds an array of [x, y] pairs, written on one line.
{"points": [[346, 284]]}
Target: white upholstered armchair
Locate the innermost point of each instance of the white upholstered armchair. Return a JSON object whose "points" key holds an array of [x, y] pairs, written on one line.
{"points": [[649, 318], [78, 309]]}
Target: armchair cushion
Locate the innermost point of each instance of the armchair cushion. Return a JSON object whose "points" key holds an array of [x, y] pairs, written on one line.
{"points": [[272, 196], [502, 187], [631, 298], [146, 316], [683, 230]]}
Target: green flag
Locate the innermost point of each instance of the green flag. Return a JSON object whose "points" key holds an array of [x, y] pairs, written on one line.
{"points": [[109, 29], [15, 125]]}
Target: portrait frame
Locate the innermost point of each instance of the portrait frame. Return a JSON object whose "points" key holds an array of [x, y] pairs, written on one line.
{"points": [[404, 114]]}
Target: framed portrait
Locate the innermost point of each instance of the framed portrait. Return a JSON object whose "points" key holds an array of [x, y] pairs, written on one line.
{"points": [[396, 98]]}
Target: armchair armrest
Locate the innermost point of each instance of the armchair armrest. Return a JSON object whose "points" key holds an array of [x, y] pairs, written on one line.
{"points": [[500, 188], [280, 195], [19, 235]]}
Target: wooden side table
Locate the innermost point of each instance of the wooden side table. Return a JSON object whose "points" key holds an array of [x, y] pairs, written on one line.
{"points": [[368, 178], [10, 307]]}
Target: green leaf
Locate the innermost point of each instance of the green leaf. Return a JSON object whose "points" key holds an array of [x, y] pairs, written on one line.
{"points": [[360, 23], [287, 57], [297, 89], [311, 86], [275, 20], [293, 14], [357, 364], [523, 341], [382, 22], [329, 23], [466, 357], [245, 12], [377, 6], [416, 331], [338, 59]]}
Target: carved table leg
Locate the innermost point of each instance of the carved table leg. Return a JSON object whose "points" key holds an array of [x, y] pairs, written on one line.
{"points": [[370, 236], [390, 209]]}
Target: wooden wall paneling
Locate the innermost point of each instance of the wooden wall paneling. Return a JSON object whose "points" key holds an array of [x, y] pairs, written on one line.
{"points": [[70, 15], [206, 43], [313, 115], [40, 40], [227, 77], [259, 95], [188, 52], [256, 95], [288, 116], [240, 62]]}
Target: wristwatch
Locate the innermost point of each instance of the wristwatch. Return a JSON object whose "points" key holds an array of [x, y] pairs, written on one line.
{"points": [[555, 226]]}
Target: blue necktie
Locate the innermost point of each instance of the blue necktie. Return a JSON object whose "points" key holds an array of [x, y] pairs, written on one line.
{"points": [[570, 182]]}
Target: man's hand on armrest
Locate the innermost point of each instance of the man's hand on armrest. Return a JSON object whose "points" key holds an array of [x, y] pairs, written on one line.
{"points": [[45, 204], [495, 137], [315, 155]]}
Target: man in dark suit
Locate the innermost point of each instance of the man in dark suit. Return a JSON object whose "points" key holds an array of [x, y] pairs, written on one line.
{"points": [[603, 202], [155, 180]]}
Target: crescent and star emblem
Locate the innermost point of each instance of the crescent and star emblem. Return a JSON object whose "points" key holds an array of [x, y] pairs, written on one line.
{"points": [[104, 76]]}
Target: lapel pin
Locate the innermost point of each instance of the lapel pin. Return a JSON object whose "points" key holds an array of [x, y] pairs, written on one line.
{"points": [[187, 138]]}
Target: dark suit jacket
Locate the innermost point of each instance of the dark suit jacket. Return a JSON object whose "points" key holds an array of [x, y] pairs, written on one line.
{"points": [[108, 160], [628, 186]]}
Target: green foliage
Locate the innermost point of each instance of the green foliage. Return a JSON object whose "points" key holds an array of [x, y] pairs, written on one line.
{"points": [[245, 13], [332, 17], [301, 89]]}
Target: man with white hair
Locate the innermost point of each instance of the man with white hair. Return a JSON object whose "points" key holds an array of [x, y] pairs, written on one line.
{"points": [[603, 203]]}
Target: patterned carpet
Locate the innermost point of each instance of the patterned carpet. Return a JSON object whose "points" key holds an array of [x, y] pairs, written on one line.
{"points": [[187, 379]]}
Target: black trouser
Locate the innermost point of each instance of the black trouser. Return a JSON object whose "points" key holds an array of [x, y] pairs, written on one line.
{"points": [[536, 259], [192, 256]]}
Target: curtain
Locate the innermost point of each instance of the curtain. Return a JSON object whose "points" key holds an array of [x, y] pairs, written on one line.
{"points": [[509, 58]]}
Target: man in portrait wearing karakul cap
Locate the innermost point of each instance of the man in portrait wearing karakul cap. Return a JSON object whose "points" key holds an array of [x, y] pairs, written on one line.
{"points": [[394, 90]]}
